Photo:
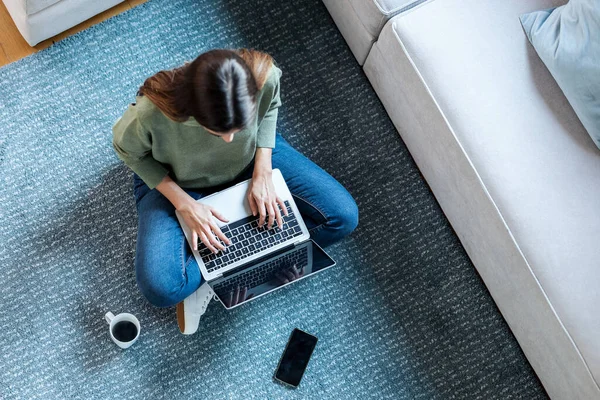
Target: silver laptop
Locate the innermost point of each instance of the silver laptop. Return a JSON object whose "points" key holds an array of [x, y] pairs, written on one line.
{"points": [[259, 260]]}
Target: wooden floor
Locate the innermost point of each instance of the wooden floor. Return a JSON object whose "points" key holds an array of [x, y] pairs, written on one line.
{"points": [[13, 47]]}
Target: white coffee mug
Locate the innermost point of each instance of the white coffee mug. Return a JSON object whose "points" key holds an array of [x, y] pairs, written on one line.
{"points": [[113, 320]]}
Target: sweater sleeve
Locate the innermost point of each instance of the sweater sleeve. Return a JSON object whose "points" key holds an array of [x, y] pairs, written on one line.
{"points": [[133, 144], [272, 100]]}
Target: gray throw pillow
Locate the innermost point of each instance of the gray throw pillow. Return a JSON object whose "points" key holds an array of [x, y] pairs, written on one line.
{"points": [[567, 39]]}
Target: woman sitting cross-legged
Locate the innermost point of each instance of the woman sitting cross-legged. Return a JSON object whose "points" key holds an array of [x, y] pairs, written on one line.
{"points": [[200, 128]]}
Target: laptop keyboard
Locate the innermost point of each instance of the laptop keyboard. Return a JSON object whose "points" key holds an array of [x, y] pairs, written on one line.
{"points": [[247, 239], [264, 273]]}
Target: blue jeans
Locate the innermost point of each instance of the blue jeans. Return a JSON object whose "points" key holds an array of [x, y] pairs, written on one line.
{"points": [[166, 270]]}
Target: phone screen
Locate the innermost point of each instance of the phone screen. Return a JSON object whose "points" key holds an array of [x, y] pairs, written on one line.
{"points": [[295, 357]]}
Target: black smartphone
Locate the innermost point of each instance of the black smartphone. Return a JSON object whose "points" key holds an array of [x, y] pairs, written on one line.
{"points": [[295, 357]]}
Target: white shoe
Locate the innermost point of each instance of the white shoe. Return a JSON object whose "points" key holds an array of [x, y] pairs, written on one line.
{"points": [[192, 308]]}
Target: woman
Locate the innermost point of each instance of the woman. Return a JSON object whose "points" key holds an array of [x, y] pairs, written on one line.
{"points": [[178, 138]]}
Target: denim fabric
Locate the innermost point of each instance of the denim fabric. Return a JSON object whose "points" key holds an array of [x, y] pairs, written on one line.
{"points": [[166, 270]]}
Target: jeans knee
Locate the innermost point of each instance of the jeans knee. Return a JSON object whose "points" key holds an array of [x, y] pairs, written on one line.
{"points": [[345, 219], [349, 218], [158, 295], [159, 290]]}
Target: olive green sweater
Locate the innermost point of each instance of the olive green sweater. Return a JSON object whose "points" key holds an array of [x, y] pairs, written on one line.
{"points": [[154, 146]]}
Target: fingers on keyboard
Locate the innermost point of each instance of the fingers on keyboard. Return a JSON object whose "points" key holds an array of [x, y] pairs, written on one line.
{"points": [[247, 238]]}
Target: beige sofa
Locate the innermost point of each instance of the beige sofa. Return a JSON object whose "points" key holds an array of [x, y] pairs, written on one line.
{"points": [[39, 20], [361, 21], [509, 162]]}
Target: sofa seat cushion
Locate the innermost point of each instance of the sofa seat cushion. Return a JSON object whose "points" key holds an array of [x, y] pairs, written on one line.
{"points": [[33, 6], [538, 167], [55, 18], [373, 14], [360, 21]]}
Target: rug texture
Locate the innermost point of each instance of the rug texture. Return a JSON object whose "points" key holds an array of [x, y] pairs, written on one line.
{"points": [[403, 315]]}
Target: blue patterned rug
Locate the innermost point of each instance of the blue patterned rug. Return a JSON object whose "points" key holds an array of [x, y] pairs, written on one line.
{"points": [[403, 315]]}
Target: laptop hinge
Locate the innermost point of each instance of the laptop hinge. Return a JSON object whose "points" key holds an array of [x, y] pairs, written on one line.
{"points": [[258, 260]]}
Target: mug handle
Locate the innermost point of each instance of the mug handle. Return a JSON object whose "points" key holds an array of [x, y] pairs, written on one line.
{"points": [[109, 317]]}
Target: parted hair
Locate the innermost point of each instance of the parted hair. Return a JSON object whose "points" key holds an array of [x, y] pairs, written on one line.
{"points": [[218, 88]]}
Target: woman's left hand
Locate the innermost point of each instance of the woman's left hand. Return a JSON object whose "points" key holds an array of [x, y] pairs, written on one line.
{"points": [[263, 199]]}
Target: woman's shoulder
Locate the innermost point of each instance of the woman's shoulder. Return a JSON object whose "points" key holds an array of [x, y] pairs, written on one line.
{"points": [[275, 73], [272, 81], [144, 105], [145, 110]]}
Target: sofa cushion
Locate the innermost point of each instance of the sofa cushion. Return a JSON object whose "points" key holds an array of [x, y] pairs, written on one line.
{"points": [[55, 18], [373, 14], [567, 39], [360, 21], [471, 98], [33, 6]]}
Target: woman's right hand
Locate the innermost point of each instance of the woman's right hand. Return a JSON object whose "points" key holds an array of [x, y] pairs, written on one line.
{"points": [[199, 218]]}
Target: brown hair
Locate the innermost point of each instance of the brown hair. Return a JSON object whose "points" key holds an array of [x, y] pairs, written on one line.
{"points": [[218, 88]]}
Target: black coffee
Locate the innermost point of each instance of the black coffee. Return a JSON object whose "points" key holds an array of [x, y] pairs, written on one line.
{"points": [[125, 331]]}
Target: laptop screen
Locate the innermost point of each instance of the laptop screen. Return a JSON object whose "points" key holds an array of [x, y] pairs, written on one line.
{"points": [[270, 273]]}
